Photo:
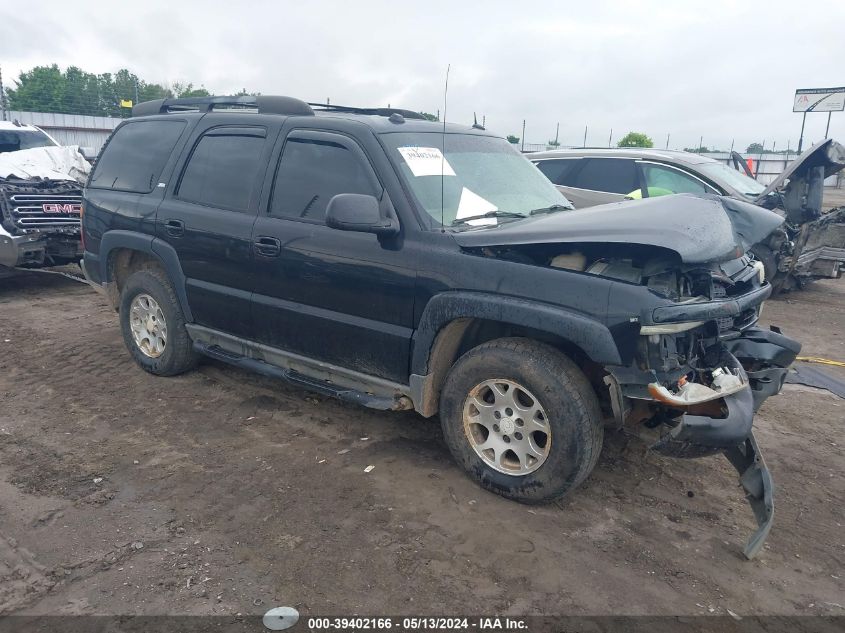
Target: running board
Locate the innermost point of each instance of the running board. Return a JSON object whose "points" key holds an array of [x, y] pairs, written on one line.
{"points": [[301, 380]]}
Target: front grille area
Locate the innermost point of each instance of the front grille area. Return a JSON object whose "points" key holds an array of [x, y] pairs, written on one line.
{"points": [[41, 205], [741, 321]]}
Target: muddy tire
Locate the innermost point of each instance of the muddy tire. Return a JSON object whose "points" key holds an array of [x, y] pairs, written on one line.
{"points": [[153, 325], [521, 419]]}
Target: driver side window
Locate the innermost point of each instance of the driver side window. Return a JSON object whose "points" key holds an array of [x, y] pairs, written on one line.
{"points": [[311, 172]]}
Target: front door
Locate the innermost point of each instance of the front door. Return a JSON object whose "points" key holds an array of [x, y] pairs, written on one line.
{"points": [[342, 297]]}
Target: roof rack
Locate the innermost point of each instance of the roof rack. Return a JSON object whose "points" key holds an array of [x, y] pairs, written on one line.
{"points": [[264, 104], [331, 107]]}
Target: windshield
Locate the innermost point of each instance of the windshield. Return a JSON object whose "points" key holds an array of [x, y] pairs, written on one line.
{"points": [[732, 178], [14, 140], [482, 176]]}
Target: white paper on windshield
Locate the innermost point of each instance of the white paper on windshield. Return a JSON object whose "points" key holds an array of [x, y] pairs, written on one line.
{"points": [[472, 204], [426, 161]]}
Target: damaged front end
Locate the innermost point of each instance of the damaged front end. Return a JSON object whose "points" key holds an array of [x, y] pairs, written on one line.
{"points": [[703, 369], [811, 244], [682, 307]]}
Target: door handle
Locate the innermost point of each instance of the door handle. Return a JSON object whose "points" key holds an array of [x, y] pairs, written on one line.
{"points": [[267, 246], [174, 228]]}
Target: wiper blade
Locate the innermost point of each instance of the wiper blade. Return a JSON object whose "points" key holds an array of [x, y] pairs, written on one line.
{"points": [[552, 209], [489, 214]]}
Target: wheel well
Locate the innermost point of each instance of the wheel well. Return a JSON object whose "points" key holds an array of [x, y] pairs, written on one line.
{"points": [[122, 263], [461, 335]]}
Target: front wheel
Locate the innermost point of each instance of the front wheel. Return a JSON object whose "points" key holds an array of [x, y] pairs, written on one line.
{"points": [[153, 325], [522, 419]]}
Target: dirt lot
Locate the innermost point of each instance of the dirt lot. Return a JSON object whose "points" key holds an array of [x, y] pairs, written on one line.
{"points": [[223, 492]]}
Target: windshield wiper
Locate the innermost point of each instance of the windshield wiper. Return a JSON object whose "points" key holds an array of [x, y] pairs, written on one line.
{"points": [[551, 209], [489, 214]]}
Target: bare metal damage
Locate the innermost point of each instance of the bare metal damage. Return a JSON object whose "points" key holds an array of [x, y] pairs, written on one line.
{"points": [[811, 244]]}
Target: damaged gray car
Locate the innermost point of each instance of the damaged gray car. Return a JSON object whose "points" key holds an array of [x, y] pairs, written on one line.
{"points": [[809, 245]]}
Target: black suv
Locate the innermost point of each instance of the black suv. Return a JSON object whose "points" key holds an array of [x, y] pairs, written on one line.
{"points": [[405, 264]]}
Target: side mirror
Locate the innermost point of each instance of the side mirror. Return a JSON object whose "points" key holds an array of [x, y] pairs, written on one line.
{"points": [[357, 212]]}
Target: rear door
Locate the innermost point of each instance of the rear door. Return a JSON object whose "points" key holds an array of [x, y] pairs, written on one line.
{"points": [[342, 297], [587, 182], [208, 215], [602, 180]]}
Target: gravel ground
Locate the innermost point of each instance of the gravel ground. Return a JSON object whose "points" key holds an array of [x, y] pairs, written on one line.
{"points": [[219, 492]]}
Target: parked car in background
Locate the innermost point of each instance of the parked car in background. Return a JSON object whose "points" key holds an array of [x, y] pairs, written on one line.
{"points": [[40, 198], [809, 245]]}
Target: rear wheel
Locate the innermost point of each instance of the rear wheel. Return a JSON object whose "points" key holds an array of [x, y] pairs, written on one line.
{"points": [[153, 325], [521, 419]]}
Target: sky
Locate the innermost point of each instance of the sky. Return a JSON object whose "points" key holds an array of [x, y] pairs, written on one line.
{"points": [[722, 70]]}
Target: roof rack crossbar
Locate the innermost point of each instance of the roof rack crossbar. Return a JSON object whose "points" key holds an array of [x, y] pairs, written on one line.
{"points": [[265, 104], [331, 107]]}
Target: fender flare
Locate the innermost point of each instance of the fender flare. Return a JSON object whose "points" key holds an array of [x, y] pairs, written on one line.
{"points": [[157, 248], [588, 334]]}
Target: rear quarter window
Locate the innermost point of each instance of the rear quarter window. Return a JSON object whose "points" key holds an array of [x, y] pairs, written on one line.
{"points": [[135, 155]]}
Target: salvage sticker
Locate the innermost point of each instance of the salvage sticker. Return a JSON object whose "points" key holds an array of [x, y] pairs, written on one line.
{"points": [[426, 161]]}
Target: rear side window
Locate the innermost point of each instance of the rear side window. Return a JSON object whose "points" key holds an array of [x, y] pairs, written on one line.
{"points": [[611, 175], [222, 171], [560, 171], [311, 172], [135, 155]]}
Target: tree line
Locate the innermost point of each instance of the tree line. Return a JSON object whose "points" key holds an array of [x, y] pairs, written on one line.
{"points": [[75, 91]]}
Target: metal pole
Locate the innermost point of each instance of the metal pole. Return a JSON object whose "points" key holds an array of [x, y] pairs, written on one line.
{"points": [[2, 97], [700, 142], [610, 140], [827, 129], [585, 136], [522, 148], [732, 146], [484, 120], [667, 141], [557, 134], [801, 138], [759, 158]]}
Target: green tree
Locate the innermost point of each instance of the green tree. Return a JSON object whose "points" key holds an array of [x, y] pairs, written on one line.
{"points": [[185, 90], [698, 150], [635, 139], [513, 139], [553, 143], [755, 148], [429, 116]]}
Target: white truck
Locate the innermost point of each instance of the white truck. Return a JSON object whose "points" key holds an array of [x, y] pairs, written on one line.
{"points": [[40, 198]]}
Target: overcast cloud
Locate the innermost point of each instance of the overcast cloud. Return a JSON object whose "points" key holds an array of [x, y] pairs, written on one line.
{"points": [[724, 70]]}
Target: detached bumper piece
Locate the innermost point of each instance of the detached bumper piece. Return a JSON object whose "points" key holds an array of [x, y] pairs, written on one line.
{"points": [[759, 360], [756, 480]]}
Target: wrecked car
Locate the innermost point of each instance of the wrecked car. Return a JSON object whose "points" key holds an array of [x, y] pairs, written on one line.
{"points": [[374, 256], [40, 199], [808, 245]]}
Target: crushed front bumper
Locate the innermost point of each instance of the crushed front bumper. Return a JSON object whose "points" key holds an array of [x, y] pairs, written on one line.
{"points": [[20, 250], [760, 359]]}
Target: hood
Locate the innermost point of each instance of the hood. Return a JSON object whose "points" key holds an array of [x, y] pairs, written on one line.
{"points": [[49, 163], [700, 229], [827, 153]]}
